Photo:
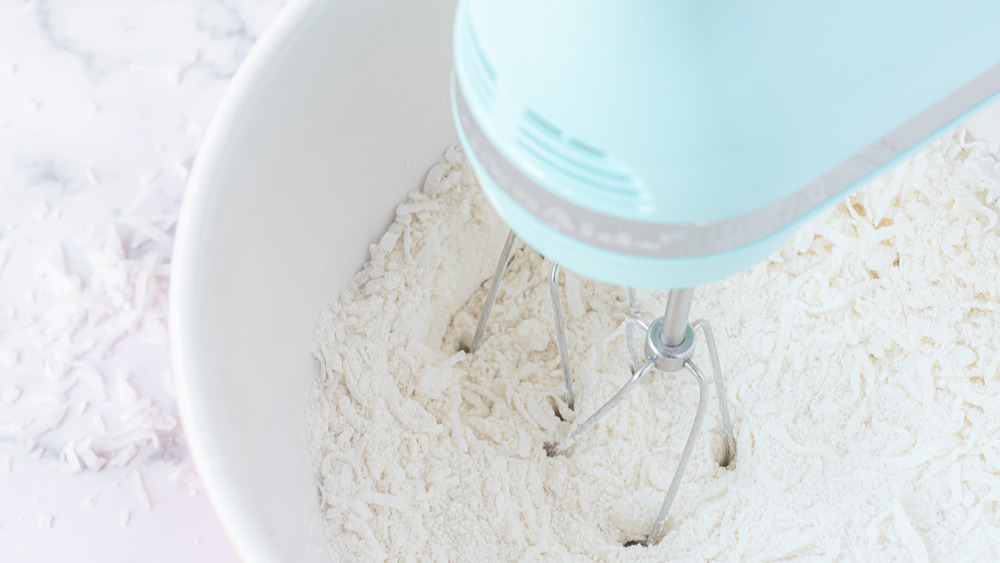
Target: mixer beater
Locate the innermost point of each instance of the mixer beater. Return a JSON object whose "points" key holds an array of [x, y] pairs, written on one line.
{"points": [[668, 347], [673, 144]]}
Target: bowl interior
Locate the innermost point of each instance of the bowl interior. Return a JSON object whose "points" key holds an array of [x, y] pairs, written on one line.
{"points": [[334, 117]]}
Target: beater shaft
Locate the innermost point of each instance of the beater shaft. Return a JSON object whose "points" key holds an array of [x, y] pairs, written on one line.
{"points": [[491, 295], [675, 316]]}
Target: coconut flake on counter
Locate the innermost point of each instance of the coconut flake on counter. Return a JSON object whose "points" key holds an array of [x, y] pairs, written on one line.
{"points": [[126, 393], [10, 396], [92, 295], [44, 521], [98, 298], [140, 490], [69, 461], [187, 479], [90, 501], [90, 458], [125, 455]]}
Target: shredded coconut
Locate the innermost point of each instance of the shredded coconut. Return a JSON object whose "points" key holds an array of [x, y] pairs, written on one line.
{"points": [[44, 521], [187, 479], [91, 501], [862, 370], [140, 490]]}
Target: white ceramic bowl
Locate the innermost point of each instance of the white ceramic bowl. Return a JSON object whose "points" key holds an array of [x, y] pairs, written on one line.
{"points": [[335, 115]]}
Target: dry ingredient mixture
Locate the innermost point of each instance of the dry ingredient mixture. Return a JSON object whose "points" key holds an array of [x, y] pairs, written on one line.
{"points": [[863, 374]]}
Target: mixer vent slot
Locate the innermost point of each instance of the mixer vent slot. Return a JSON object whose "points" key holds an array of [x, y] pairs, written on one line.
{"points": [[483, 78], [571, 168], [569, 164]]}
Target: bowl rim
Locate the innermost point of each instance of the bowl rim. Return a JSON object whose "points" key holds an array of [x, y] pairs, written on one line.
{"points": [[242, 532]]}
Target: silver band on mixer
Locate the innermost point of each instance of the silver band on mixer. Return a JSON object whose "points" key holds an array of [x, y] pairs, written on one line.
{"points": [[655, 240]]}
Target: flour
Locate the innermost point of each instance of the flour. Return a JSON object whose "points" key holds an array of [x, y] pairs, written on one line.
{"points": [[862, 367]]}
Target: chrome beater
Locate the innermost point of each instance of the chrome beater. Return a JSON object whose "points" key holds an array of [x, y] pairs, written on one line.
{"points": [[668, 347]]}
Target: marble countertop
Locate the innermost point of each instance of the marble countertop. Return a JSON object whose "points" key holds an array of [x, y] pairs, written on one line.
{"points": [[102, 107]]}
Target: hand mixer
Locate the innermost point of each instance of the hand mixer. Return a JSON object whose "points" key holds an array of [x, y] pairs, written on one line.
{"points": [[667, 144]]}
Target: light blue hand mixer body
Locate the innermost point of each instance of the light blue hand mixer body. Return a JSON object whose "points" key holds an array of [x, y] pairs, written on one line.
{"points": [[668, 144]]}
